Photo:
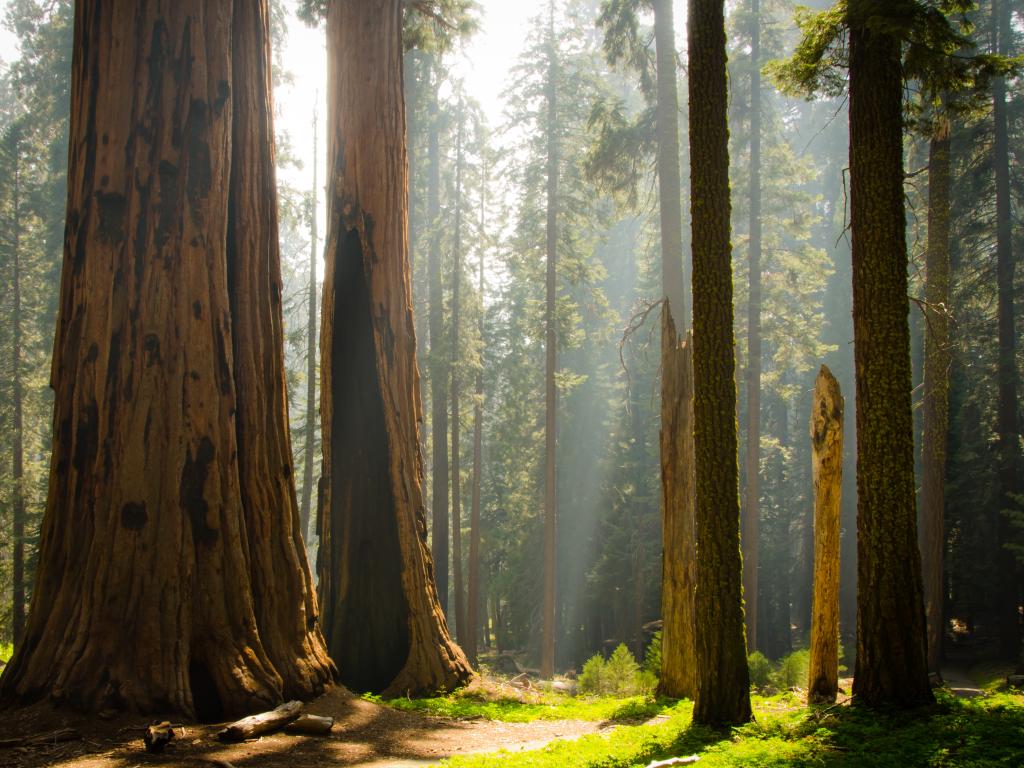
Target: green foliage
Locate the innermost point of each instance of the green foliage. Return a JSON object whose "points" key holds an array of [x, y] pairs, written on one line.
{"points": [[955, 734], [652, 656], [6, 651], [793, 669], [517, 707], [760, 669], [620, 675]]}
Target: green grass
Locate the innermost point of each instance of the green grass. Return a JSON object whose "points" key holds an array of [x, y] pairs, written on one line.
{"points": [[955, 733], [488, 705]]}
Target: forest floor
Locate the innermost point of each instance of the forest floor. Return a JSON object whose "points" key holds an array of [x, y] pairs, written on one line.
{"points": [[976, 723], [365, 734]]}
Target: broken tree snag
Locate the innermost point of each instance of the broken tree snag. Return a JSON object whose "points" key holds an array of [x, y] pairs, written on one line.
{"points": [[145, 598], [381, 615], [827, 471], [158, 736], [310, 725], [284, 599], [265, 722], [678, 651]]}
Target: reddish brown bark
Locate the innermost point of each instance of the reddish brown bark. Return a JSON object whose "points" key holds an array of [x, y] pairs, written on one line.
{"points": [[171, 510], [382, 618]]}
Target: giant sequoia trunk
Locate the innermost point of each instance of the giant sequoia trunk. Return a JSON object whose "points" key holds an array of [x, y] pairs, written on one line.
{"points": [[384, 625], [723, 689], [171, 573], [676, 440], [891, 665], [935, 402]]}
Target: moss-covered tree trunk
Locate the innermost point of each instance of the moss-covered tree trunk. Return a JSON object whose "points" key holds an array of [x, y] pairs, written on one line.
{"points": [[891, 665], [171, 573], [723, 689], [678, 677], [752, 499], [382, 618], [827, 473], [935, 401]]}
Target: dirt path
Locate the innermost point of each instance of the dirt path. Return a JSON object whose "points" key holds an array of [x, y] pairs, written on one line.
{"points": [[960, 683], [365, 734]]}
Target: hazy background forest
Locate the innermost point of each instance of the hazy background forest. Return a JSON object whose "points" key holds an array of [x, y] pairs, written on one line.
{"points": [[476, 139]]}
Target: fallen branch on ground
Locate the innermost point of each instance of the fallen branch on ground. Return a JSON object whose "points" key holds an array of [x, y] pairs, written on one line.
{"points": [[53, 737], [265, 722]]}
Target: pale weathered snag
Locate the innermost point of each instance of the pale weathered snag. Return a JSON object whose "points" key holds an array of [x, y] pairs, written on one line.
{"points": [[827, 472]]}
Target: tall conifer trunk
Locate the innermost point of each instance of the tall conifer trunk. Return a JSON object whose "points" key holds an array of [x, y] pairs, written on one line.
{"points": [[171, 573], [891, 663], [309, 439], [935, 400], [751, 523], [436, 361], [678, 676], [549, 622], [17, 405], [473, 620], [460, 602], [723, 690], [384, 624], [1008, 419]]}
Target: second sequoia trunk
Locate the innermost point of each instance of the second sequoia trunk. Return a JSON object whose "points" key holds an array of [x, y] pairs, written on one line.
{"points": [[383, 622]]}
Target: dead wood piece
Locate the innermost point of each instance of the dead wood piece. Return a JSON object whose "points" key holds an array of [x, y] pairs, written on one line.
{"points": [[265, 722], [42, 739], [158, 736], [311, 725], [674, 761]]}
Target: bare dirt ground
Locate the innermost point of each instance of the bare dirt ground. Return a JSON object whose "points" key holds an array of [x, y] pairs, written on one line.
{"points": [[364, 734]]}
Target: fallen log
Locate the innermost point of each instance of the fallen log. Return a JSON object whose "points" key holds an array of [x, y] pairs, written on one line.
{"points": [[53, 737], [310, 725], [265, 722], [674, 761]]}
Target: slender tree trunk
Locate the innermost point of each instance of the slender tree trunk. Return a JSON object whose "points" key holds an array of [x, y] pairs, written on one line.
{"points": [[935, 401], [751, 526], [723, 690], [460, 604], [437, 360], [549, 623], [18, 446], [891, 657], [382, 617], [309, 449], [171, 504], [827, 470], [472, 620], [676, 440], [1008, 419]]}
